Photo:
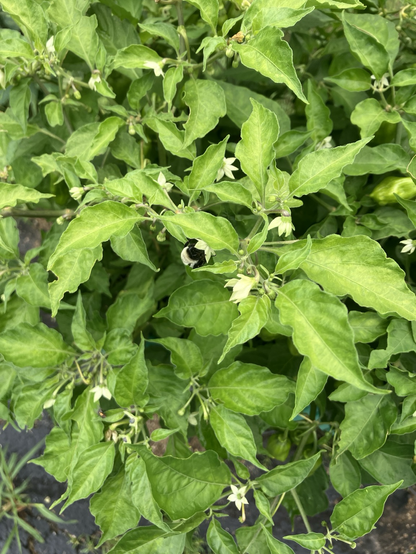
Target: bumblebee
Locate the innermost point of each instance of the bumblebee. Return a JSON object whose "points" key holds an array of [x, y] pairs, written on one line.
{"points": [[193, 256]]}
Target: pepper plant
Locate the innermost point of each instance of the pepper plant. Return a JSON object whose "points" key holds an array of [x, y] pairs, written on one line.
{"points": [[228, 188]]}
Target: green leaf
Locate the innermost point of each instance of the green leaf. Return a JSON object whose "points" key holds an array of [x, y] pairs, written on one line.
{"points": [[82, 337], [95, 225], [361, 33], [311, 541], [16, 47], [139, 88], [205, 167], [309, 385], [232, 191], [171, 138], [345, 474], [10, 195], [219, 541], [183, 487], [254, 313], [34, 346], [28, 405], [165, 30], [271, 56], [317, 169], [266, 13], [379, 160], [185, 356], [9, 239], [204, 305], [263, 505], [31, 18], [354, 79], [91, 470], [141, 492], [33, 286], [366, 425], [312, 313], [92, 139], [368, 115], [402, 381], [293, 260], [275, 546], [57, 455], [71, 269], [409, 206], [208, 47], [249, 389], [286, 477], [162, 434], [83, 40], [399, 339], [135, 56], [136, 184], [132, 380], [217, 232], [357, 514], [173, 76], [367, 326], [132, 248], [19, 102], [255, 150], [66, 12], [393, 461], [234, 434], [54, 113], [289, 142], [209, 11], [318, 118], [358, 266], [404, 78], [239, 106], [206, 103], [112, 507], [149, 540]]}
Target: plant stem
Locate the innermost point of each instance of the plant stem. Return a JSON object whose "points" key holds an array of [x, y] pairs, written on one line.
{"points": [[255, 228], [45, 132], [35, 213], [301, 510], [183, 37], [323, 203]]}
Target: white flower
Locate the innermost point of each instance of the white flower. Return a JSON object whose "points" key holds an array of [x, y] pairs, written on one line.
{"points": [[238, 496], [381, 84], [49, 403], [99, 391], [241, 287], [202, 245], [157, 68], [326, 143], [50, 48], [95, 78], [227, 169], [284, 225], [76, 192], [163, 183], [409, 246]]}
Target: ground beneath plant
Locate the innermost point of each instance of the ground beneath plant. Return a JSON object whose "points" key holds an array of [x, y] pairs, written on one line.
{"points": [[395, 533]]}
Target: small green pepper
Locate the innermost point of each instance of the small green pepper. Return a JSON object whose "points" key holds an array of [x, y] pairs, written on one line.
{"points": [[402, 186], [278, 446]]}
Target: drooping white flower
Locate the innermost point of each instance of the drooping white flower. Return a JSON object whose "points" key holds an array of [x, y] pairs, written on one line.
{"points": [[238, 496], [76, 192], [94, 79], [50, 48], [284, 225], [157, 68], [163, 183], [227, 169], [99, 391], [409, 246], [202, 245], [324, 144], [241, 287], [381, 84]]}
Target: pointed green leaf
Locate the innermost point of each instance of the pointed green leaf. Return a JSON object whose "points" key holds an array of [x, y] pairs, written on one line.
{"points": [[345, 474], [132, 248], [205, 167], [318, 119], [366, 425], [82, 337], [219, 540], [312, 313], [317, 169], [369, 115], [33, 286], [249, 389], [255, 150], [357, 514], [31, 18], [10, 195], [293, 260], [309, 385], [132, 380], [311, 541], [209, 11], [185, 355], [135, 56], [271, 56], [234, 434], [286, 477], [149, 540], [399, 339]]}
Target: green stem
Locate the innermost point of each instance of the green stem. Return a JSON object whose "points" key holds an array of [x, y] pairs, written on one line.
{"points": [[255, 228], [35, 213], [183, 37], [323, 203], [301, 510], [45, 132]]}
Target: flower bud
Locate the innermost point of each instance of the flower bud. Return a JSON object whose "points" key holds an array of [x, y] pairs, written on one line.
{"points": [[229, 52]]}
